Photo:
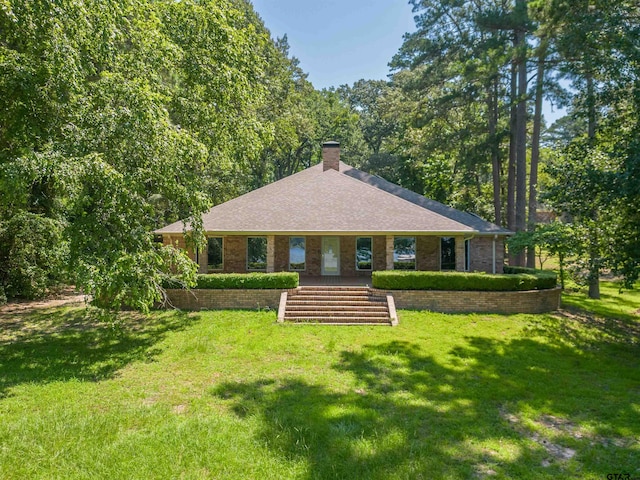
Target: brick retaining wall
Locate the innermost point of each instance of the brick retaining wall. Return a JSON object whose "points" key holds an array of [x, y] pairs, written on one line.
{"points": [[531, 301], [218, 299]]}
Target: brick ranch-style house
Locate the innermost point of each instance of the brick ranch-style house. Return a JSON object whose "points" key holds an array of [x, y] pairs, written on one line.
{"points": [[335, 220]]}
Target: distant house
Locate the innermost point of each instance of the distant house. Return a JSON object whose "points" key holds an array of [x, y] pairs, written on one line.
{"points": [[334, 220]]}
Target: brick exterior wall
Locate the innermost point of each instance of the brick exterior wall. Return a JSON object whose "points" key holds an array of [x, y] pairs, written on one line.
{"points": [[380, 252], [428, 253], [178, 241], [235, 254], [347, 257], [481, 254], [533, 301], [314, 251], [281, 263]]}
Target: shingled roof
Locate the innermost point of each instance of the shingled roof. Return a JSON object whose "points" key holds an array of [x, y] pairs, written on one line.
{"points": [[337, 201]]}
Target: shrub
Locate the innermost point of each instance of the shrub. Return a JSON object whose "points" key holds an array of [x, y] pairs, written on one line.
{"points": [[32, 255], [3, 297], [255, 280], [508, 269], [403, 280]]}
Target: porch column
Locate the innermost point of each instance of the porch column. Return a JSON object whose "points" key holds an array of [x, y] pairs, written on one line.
{"points": [[389, 252], [271, 253], [203, 259], [459, 254]]}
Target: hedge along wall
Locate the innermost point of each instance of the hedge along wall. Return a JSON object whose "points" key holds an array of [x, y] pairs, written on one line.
{"points": [[278, 280], [233, 291], [419, 280], [456, 292], [451, 301]]}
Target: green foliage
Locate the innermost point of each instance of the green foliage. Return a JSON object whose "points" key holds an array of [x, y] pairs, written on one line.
{"points": [[555, 238], [116, 118], [32, 255], [135, 280], [459, 281], [278, 280], [582, 185], [509, 270]]}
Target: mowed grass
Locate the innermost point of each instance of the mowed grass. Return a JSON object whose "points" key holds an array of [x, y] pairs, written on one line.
{"points": [[614, 303], [233, 395]]}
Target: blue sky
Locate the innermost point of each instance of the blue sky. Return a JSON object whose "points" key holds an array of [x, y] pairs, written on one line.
{"points": [[341, 41]]}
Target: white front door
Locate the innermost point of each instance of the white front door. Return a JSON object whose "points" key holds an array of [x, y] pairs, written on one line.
{"points": [[330, 255]]}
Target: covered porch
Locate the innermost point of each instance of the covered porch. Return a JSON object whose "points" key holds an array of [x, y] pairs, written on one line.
{"points": [[350, 258], [335, 281]]}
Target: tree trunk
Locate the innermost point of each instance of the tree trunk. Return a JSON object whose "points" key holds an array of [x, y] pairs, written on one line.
{"points": [[511, 165], [535, 149], [511, 172], [521, 140], [492, 104], [561, 264], [591, 109], [594, 262]]}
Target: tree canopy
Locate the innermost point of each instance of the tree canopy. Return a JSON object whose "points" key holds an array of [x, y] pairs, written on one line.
{"points": [[120, 116]]}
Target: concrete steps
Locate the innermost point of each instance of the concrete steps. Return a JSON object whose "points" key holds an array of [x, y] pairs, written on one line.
{"points": [[340, 305]]}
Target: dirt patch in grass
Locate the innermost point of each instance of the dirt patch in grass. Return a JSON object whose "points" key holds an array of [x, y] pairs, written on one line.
{"points": [[64, 297], [548, 427], [555, 450]]}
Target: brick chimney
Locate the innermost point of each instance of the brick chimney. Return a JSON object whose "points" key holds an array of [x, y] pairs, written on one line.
{"points": [[330, 156]]}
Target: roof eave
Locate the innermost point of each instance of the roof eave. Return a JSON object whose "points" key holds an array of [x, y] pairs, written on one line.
{"points": [[345, 233]]}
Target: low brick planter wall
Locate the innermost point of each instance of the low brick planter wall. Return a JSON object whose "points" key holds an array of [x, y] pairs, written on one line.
{"points": [[530, 301], [200, 299]]}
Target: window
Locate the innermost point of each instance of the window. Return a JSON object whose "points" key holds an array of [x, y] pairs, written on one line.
{"points": [[404, 253], [447, 253], [364, 253], [467, 256], [297, 253], [214, 254], [256, 253]]}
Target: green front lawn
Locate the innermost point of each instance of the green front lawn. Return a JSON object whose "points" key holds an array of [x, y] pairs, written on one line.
{"points": [[233, 395], [613, 303]]}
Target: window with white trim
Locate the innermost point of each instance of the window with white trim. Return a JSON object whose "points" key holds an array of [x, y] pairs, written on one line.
{"points": [[297, 254], [404, 253]]}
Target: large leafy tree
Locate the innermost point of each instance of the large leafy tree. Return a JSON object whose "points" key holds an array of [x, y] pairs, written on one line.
{"points": [[455, 66], [118, 116]]}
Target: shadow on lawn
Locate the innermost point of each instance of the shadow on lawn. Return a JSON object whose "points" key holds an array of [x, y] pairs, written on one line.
{"points": [[61, 344], [618, 307], [412, 416]]}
